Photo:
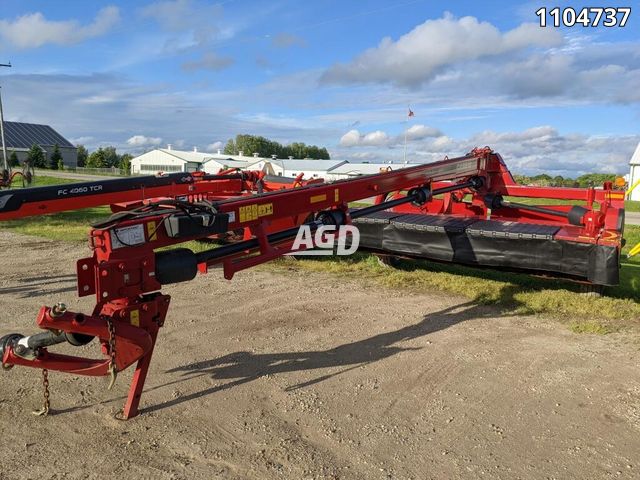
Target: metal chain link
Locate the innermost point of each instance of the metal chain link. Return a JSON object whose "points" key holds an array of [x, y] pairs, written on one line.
{"points": [[46, 404], [113, 368]]}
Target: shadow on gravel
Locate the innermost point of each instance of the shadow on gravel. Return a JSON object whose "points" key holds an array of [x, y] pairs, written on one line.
{"points": [[243, 367], [39, 286]]}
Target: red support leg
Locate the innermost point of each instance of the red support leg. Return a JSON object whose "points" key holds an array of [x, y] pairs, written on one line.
{"points": [[137, 383]]}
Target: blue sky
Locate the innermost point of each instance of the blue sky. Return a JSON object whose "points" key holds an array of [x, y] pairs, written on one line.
{"points": [[338, 74]]}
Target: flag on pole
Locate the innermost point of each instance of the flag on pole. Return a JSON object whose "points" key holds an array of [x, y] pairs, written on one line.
{"points": [[411, 114]]}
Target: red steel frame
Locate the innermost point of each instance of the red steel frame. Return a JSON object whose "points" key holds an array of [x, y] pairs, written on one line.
{"points": [[124, 278], [602, 226], [192, 187]]}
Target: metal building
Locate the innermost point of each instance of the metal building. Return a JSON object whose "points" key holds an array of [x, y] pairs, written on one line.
{"points": [[20, 137]]}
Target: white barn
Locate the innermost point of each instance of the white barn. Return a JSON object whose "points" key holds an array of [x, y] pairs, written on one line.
{"points": [[634, 175], [292, 167], [167, 160], [214, 163]]}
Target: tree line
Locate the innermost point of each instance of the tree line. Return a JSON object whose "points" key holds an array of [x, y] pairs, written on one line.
{"points": [[103, 157], [250, 144], [583, 181]]}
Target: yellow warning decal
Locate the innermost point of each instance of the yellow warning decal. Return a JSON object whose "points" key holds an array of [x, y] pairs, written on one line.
{"points": [[318, 198], [134, 318], [265, 209], [252, 212], [151, 231], [336, 195], [618, 196]]}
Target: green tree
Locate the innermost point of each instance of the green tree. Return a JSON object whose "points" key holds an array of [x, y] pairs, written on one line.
{"points": [[125, 162], [230, 148], [82, 155], [250, 144], [56, 158], [13, 160], [36, 157], [104, 157], [595, 179], [111, 157], [96, 159]]}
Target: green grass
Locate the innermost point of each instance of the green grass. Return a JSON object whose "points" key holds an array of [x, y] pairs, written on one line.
{"points": [[67, 226], [42, 181], [632, 206], [590, 327]]}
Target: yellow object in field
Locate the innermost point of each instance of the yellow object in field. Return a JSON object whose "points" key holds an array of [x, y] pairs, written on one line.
{"points": [[634, 251]]}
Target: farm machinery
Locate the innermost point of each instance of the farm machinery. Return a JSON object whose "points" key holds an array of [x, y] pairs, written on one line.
{"points": [[458, 210], [9, 176]]}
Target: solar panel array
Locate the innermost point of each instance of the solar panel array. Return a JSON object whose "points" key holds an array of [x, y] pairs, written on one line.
{"points": [[24, 135]]}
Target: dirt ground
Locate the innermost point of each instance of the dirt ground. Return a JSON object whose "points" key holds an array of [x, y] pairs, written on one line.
{"points": [[306, 376]]}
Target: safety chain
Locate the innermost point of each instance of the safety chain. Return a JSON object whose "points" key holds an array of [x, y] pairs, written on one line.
{"points": [[46, 404], [113, 368]]}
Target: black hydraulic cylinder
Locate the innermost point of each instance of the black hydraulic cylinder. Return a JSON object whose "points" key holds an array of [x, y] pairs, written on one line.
{"points": [[534, 208], [574, 215], [175, 266]]}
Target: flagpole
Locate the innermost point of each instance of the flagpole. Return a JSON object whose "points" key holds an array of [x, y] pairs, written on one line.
{"points": [[406, 123]]}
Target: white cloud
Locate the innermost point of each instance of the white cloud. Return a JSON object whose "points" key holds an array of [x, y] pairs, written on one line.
{"points": [[543, 149], [378, 138], [416, 57], [209, 61], [443, 142], [215, 146], [375, 139], [143, 141], [418, 132], [34, 30], [532, 151], [353, 138], [350, 139]]}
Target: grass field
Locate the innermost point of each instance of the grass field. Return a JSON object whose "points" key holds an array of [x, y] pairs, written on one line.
{"points": [[514, 292], [42, 181], [632, 206]]}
